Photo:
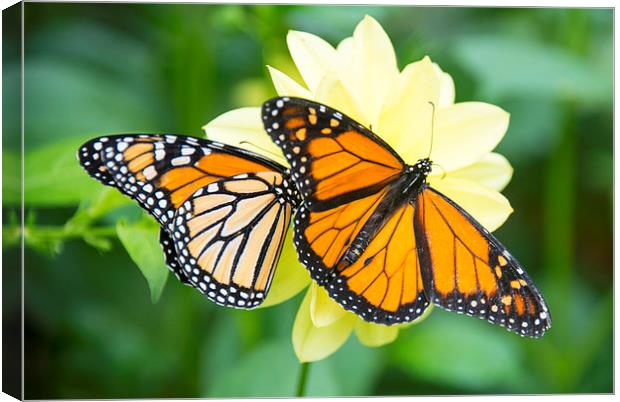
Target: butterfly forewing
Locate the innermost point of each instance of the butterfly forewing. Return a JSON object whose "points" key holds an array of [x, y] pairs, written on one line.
{"points": [[333, 159], [467, 270], [162, 171], [170, 176]]}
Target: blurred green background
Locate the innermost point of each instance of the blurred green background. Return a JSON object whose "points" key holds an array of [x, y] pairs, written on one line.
{"points": [[91, 328]]}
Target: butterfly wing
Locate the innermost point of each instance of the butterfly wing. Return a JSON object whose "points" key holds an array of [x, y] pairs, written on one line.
{"points": [[467, 270], [333, 159], [229, 237], [162, 171], [170, 256], [169, 174], [383, 284]]}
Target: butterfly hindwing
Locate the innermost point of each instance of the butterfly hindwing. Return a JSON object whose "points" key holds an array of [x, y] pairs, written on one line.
{"points": [[467, 270], [333, 159], [170, 256], [174, 178], [382, 281], [230, 235]]}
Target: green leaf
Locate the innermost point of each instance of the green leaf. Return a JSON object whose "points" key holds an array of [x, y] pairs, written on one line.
{"points": [[460, 351], [98, 242], [270, 370], [102, 202], [142, 245], [512, 66], [53, 176], [106, 200]]}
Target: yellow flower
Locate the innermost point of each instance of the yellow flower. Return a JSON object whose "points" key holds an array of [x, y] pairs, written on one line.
{"points": [[360, 78]]}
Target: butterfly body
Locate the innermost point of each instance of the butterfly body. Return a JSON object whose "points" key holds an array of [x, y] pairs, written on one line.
{"points": [[223, 211], [401, 191], [380, 240]]}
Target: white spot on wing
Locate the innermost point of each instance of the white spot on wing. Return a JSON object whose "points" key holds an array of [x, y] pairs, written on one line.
{"points": [[180, 161], [149, 172]]}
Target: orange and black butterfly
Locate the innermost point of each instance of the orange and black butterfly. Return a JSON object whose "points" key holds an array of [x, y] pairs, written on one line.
{"points": [[223, 211], [381, 241]]}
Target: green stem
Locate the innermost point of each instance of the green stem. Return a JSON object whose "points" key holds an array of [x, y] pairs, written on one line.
{"points": [[49, 233], [62, 232], [303, 376]]}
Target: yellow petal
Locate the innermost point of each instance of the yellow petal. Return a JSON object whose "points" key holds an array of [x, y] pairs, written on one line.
{"points": [[373, 335], [446, 88], [488, 207], [286, 86], [312, 55], [345, 53], [406, 117], [290, 277], [332, 92], [492, 171], [243, 128], [464, 132], [373, 67], [323, 310], [311, 343], [344, 65]]}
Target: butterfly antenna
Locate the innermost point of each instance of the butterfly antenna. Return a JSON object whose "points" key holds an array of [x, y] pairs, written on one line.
{"points": [[260, 148], [443, 172], [432, 129]]}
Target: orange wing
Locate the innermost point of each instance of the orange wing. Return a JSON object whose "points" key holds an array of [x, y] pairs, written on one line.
{"points": [[467, 270], [333, 159], [383, 284], [162, 171], [223, 211]]}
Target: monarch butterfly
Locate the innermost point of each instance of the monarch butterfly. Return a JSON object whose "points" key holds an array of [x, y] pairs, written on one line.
{"points": [[380, 240], [223, 211]]}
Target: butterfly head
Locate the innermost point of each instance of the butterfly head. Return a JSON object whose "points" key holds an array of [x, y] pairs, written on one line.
{"points": [[416, 175], [423, 166]]}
